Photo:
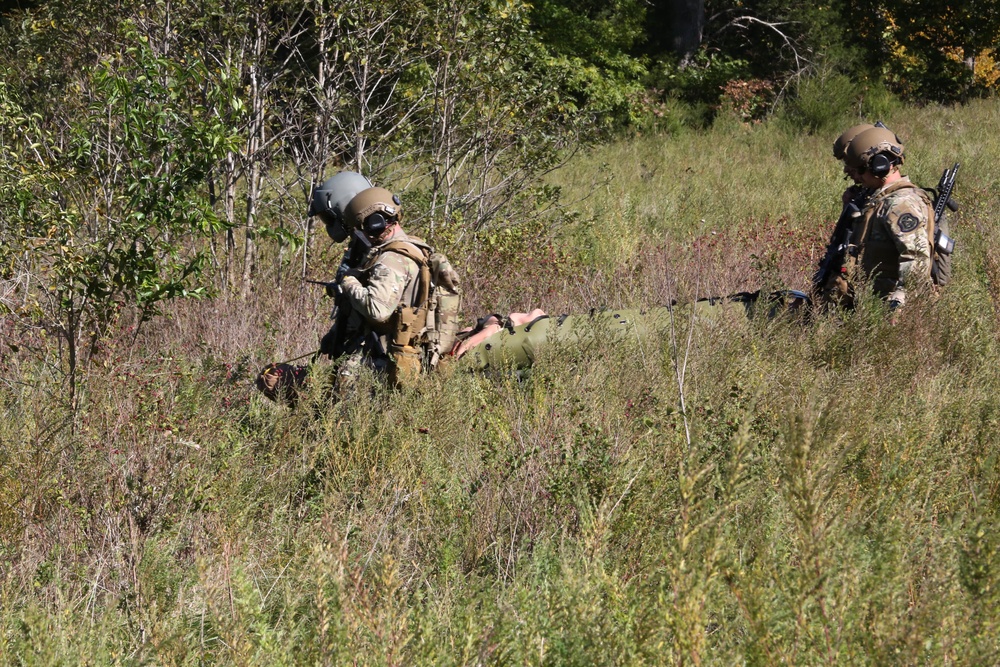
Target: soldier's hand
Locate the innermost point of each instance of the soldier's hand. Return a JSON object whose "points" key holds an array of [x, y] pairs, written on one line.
{"points": [[850, 194], [333, 290], [342, 271], [443, 272], [894, 307]]}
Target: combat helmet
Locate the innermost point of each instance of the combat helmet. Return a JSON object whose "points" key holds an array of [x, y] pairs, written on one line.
{"points": [[864, 150], [330, 199], [840, 145], [372, 210]]}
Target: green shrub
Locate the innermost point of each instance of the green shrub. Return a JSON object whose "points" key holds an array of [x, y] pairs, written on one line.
{"points": [[822, 102]]}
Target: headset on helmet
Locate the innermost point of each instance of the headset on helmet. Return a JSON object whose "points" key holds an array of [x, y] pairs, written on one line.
{"points": [[373, 210], [330, 200], [876, 150], [842, 142]]}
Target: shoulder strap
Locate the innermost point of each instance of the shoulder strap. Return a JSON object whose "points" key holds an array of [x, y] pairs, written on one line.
{"points": [[407, 249], [418, 255], [901, 184]]}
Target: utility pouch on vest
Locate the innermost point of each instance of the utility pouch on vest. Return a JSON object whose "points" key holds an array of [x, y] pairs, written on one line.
{"points": [[404, 371], [442, 324], [406, 324]]}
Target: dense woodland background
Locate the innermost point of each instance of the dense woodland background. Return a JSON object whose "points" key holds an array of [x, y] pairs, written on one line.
{"points": [[728, 492]]}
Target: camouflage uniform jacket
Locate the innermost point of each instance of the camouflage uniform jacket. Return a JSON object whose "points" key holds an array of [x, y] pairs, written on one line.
{"points": [[386, 280], [893, 244]]}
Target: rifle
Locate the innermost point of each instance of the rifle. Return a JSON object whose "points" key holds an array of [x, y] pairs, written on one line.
{"points": [[330, 285], [335, 343], [840, 241], [942, 199]]}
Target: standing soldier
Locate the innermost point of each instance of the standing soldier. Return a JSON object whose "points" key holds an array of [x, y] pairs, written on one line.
{"points": [[890, 242]]}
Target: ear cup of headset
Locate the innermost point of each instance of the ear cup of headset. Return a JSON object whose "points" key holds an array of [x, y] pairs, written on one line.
{"points": [[375, 224], [879, 165]]}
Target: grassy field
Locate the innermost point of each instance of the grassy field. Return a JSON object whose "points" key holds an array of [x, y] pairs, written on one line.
{"points": [[760, 492]]}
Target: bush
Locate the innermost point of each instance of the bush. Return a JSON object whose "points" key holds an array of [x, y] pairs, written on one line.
{"points": [[821, 103], [875, 100]]}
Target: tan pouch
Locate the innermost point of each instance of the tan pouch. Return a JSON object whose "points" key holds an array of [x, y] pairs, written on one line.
{"points": [[405, 368]]}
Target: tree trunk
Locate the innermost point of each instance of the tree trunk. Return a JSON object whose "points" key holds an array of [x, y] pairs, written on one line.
{"points": [[254, 156], [686, 24]]}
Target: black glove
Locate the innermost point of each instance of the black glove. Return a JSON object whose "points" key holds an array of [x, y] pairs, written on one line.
{"points": [[342, 271]]}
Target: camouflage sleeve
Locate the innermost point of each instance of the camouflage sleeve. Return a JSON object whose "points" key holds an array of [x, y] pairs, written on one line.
{"points": [[384, 284], [907, 218]]}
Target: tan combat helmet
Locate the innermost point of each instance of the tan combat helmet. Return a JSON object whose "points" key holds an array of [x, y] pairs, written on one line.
{"points": [[840, 145], [864, 150], [373, 210]]}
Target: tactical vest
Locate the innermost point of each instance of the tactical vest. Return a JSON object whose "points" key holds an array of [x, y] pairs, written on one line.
{"points": [[881, 258], [420, 332]]}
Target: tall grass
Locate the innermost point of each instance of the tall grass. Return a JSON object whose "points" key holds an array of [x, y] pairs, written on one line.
{"points": [[825, 493]]}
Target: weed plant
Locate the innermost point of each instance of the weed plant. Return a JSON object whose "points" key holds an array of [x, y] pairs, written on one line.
{"points": [[761, 491]]}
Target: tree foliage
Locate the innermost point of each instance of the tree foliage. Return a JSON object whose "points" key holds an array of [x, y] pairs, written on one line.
{"points": [[598, 44], [106, 203], [942, 51]]}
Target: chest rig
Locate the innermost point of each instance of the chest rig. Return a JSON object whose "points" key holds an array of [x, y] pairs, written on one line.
{"points": [[424, 328]]}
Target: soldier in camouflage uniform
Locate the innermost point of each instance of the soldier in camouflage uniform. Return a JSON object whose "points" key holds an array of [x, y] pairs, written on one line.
{"points": [[397, 300], [829, 282], [515, 341], [387, 279], [890, 242]]}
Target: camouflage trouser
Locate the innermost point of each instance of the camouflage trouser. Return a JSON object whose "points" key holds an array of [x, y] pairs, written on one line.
{"points": [[350, 366], [346, 375]]}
